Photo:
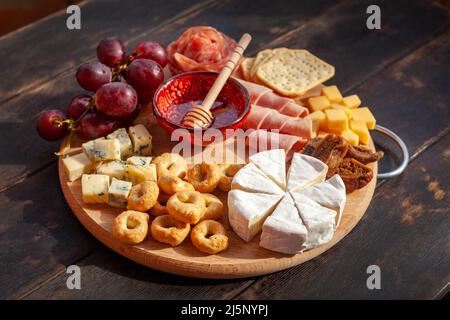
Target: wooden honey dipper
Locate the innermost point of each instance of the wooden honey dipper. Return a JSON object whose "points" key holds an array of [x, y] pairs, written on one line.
{"points": [[200, 115]]}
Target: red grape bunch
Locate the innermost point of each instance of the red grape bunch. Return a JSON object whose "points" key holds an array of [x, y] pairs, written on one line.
{"points": [[118, 84]]}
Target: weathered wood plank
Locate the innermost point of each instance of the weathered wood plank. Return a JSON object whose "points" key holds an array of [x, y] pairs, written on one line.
{"points": [[45, 49], [38, 234], [106, 275], [18, 114], [405, 231]]}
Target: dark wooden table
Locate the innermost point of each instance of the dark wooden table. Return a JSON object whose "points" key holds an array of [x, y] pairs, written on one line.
{"points": [[401, 71]]}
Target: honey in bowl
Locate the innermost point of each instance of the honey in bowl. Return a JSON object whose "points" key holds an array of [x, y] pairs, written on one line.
{"points": [[224, 114], [180, 93]]}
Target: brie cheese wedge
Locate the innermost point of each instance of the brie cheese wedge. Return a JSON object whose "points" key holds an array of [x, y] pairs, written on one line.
{"points": [[247, 211], [305, 171], [273, 164], [330, 194], [284, 231], [319, 221], [251, 179]]}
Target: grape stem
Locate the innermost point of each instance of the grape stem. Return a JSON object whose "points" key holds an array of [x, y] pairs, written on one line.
{"points": [[120, 69], [72, 125]]}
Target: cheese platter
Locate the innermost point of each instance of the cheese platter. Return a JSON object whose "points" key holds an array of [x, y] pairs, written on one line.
{"points": [[302, 173]]}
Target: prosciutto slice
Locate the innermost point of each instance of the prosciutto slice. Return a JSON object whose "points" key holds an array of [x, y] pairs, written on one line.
{"points": [[200, 48], [260, 140], [265, 97], [269, 119]]}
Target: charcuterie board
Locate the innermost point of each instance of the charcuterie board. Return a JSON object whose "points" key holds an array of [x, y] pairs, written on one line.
{"points": [[240, 260]]}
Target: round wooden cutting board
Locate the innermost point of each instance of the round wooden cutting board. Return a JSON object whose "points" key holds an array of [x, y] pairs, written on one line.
{"points": [[240, 260]]}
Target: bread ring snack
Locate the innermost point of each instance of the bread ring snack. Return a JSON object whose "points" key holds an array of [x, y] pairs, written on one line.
{"points": [[173, 184], [209, 236], [170, 164], [168, 230], [229, 170], [214, 207], [131, 227], [187, 206], [143, 196], [204, 177], [159, 209]]}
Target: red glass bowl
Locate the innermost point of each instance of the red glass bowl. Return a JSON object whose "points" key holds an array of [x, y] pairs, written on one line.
{"points": [[194, 86]]}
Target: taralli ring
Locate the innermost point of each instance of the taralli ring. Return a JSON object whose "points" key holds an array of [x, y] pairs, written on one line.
{"points": [[187, 206], [214, 207], [168, 230], [210, 237], [228, 173], [131, 227], [204, 177], [171, 185], [170, 164], [143, 196], [160, 209]]}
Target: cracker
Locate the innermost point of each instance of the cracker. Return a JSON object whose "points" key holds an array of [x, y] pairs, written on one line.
{"points": [[259, 57], [293, 72], [266, 55], [246, 66]]}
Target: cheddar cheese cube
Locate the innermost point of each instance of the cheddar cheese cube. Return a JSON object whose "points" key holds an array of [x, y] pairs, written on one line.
{"points": [[77, 165], [337, 121], [360, 128], [318, 103], [365, 115], [138, 174], [348, 111], [118, 193], [94, 188], [332, 93], [317, 118], [107, 149], [351, 102], [351, 137]]}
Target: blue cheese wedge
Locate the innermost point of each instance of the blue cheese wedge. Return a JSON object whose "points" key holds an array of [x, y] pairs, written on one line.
{"points": [[126, 146], [94, 188], [107, 149], [139, 161], [138, 174], [77, 165], [142, 140], [88, 148], [113, 169], [119, 191]]}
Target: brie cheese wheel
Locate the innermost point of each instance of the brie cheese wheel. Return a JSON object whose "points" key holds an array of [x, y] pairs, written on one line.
{"points": [[273, 164], [247, 211], [284, 230], [319, 221], [305, 171], [252, 179], [330, 194]]}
